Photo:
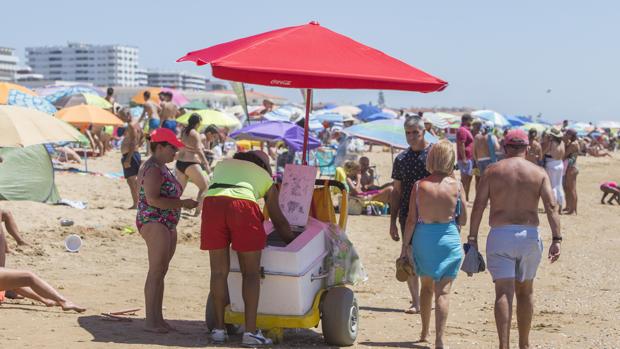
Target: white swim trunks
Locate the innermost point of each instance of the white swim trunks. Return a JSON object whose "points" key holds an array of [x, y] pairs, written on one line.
{"points": [[514, 252]]}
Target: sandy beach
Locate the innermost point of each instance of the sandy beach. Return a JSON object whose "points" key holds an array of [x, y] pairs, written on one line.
{"points": [[577, 298]]}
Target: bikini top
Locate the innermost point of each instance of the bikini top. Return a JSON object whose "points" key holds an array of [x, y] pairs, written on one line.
{"points": [[457, 209]]}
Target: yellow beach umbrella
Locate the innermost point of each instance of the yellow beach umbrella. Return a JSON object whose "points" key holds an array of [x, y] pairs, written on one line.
{"points": [[212, 117], [81, 115], [5, 87], [23, 127]]}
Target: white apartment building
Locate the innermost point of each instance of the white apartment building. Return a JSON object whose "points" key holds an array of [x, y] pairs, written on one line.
{"points": [[142, 78], [101, 65], [8, 64], [177, 80]]}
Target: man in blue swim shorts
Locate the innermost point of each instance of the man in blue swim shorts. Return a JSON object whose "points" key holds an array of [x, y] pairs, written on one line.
{"points": [[514, 246]]}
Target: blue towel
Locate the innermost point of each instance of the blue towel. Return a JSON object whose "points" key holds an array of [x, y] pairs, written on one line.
{"points": [[437, 250]]}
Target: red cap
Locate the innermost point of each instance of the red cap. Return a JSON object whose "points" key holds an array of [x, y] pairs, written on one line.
{"points": [[516, 137], [165, 135]]}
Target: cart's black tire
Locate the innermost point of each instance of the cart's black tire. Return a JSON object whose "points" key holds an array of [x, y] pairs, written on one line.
{"points": [[340, 317], [210, 317]]}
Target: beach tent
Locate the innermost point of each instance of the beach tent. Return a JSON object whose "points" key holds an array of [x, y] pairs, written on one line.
{"points": [[27, 174]]}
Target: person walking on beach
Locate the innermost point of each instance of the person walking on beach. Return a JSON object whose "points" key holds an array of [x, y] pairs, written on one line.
{"points": [[131, 159], [159, 211], [436, 211], [534, 151], [150, 115], [554, 165], [486, 147], [465, 152], [169, 112], [514, 246], [232, 217], [192, 160], [409, 167], [571, 171]]}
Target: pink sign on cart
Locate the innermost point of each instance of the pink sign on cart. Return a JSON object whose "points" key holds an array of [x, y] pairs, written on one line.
{"points": [[296, 193]]}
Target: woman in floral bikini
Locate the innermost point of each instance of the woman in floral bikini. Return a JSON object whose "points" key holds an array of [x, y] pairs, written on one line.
{"points": [[159, 210]]}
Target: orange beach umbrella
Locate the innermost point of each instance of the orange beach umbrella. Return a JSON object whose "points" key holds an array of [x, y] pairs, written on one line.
{"points": [[88, 114]]}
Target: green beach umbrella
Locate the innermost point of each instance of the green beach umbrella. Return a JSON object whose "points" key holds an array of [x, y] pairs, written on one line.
{"points": [[212, 117]]}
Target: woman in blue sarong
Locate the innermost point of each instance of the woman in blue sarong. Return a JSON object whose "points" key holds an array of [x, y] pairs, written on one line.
{"points": [[435, 215]]}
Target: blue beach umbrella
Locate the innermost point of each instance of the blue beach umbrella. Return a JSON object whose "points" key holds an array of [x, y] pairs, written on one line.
{"points": [[489, 115], [367, 110], [377, 116], [21, 99], [389, 132]]}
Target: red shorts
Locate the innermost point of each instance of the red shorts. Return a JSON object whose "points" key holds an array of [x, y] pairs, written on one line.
{"points": [[226, 220]]}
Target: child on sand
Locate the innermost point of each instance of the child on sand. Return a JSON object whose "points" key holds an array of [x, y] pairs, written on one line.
{"points": [[610, 188]]}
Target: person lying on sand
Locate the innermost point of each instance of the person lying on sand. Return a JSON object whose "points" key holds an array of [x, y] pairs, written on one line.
{"points": [[27, 284]]}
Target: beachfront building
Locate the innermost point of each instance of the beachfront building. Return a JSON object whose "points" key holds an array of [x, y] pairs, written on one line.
{"points": [[101, 65], [8, 64], [176, 80], [142, 77]]}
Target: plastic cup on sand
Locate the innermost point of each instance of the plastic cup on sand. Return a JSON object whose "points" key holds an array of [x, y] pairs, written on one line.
{"points": [[73, 243]]}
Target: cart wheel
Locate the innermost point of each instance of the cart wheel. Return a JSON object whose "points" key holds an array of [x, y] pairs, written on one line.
{"points": [[210, 317], [339, 319]]}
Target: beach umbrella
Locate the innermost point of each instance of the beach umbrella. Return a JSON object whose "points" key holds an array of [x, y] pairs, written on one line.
{"points": [[28, 100], [436, 119], [212, 117], [534, 125], [389, 111], [81, 115], [516, 121], [489, 115], [376, 116], [7, 87], [196, 105], [23, 127], [177, 97], [54, 93], [608, 124], [272, 131], [309, 57], [286, 112], [329, 117], [346, 110], [581, 127], [367, 110], [388, 132], [82, 98]]}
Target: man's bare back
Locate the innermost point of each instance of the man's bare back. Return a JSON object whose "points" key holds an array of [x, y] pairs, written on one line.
{"points": [[481, 147], [169, 111], [514, 186], [152, 110]]}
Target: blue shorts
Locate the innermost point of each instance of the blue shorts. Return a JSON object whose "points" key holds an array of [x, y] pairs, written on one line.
{"points": [[483, 164], [153, 124], [170, 124], [466, 167]]}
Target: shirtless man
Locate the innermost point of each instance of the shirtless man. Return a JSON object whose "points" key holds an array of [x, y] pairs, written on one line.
{"points": [[554, 164], [109, 96], [485, 148], [169, 112], [368, 176], [514, 247], [151, 113], [131, 157], [534, 152]]}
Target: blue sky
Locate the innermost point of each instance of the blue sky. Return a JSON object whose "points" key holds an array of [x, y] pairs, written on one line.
{"points": [[495, 54]]}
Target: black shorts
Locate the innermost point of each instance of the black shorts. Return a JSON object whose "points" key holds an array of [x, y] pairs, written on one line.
{"points": [[183, 165], [133, 169]]}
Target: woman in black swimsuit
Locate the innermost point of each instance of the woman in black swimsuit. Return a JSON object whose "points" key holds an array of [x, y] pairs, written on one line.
{"points": [[191, 160]]}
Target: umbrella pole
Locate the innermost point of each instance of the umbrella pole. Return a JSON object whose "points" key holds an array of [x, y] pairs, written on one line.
{"points": [[307, 125]]}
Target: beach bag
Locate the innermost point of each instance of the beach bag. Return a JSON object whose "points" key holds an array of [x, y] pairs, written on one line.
{"points": [[343, 264]]}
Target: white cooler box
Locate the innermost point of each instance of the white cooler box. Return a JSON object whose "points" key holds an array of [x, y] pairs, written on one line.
{"points": [[289, 284]]}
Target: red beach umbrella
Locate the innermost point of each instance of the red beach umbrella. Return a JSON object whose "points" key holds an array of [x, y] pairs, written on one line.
{"points": [[311, 56]]}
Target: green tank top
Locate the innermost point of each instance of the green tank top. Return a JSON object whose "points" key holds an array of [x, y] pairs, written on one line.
{"points": [[250, 181]]}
